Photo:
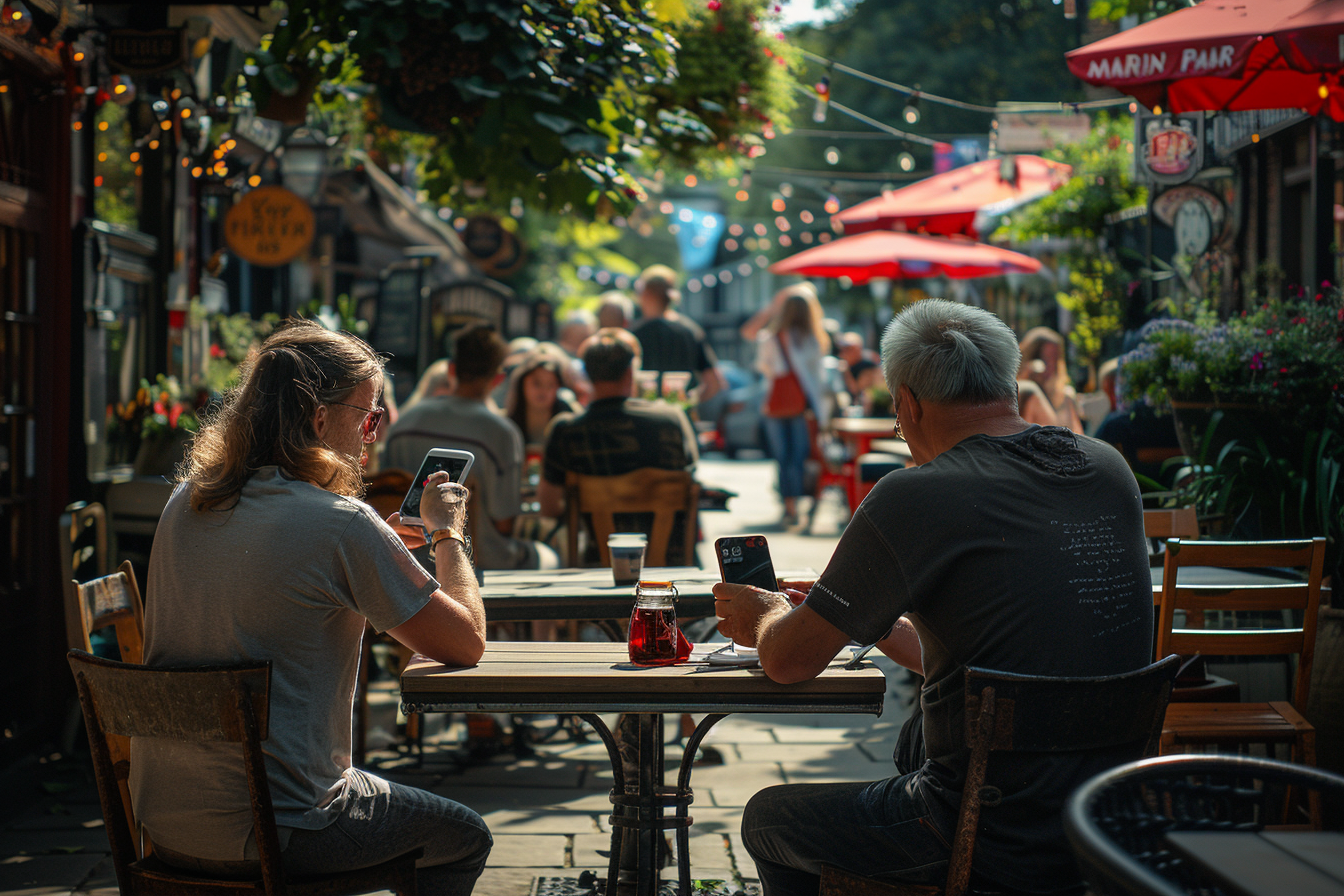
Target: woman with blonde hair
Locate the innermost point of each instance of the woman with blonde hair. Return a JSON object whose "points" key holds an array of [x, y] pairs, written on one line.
{"points": [[1045, 394], [789, 351]]}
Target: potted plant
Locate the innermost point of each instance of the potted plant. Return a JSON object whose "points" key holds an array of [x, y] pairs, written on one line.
{"points": [[167, 420]]}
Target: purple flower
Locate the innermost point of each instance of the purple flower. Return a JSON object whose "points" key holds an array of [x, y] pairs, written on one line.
{"points": [[1258, 361]]}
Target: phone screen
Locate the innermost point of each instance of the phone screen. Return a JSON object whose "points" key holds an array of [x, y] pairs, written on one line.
{"points": [[745, 560], [410, 507]]}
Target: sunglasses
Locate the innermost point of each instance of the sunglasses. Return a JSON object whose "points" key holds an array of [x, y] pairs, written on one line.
{"points": [[371, 421]]}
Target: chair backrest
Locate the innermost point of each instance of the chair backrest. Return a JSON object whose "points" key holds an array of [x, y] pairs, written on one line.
{"points": [[113, 601], [1174, 522], [1031, 713], [385, 490], [82, 539], [213, 704], [1303, 595], [657, 494]]}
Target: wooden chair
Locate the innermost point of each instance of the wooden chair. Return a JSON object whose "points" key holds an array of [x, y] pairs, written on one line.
{"points": [[1159, 524], [656, 494], [229, 704], [113, 601], [1226, 724], [83, 551], [1116, 718]]}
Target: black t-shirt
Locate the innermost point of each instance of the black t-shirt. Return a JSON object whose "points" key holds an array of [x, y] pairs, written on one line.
{"points": [[673, 345], [1023, 554]]}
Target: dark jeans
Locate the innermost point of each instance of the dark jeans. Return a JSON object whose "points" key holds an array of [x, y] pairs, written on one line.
{"points": [[882, 829], [381, 821], [790, 445]]}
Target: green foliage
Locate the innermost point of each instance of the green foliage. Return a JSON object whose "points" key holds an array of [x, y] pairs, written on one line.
{"points": [[114, 192], [1115, 10], [1094, 302], [1101, 185]]}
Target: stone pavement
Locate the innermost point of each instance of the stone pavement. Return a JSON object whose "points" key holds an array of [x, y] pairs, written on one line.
{"points": [[548, 811]]}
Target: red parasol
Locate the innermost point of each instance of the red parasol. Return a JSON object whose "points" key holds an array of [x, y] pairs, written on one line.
{"points": [[899, 256], [947, 203], [1266, 54]]}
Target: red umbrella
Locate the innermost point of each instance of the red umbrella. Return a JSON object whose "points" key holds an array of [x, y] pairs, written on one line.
{"points": [[1266, 54], [947, 203], [899, 256]]}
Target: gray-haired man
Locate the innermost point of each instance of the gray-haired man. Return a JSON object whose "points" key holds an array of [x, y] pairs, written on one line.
{"points": [[1012, 547]]}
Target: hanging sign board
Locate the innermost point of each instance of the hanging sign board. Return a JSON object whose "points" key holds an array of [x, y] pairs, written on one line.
{"points": [[1170, 147], [145, 52], [269, 227]]}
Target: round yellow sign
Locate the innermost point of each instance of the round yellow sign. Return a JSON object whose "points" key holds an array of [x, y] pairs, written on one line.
{"points": [[269, 226]]}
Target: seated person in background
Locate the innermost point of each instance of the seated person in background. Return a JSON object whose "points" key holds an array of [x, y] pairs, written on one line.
{"points": [[536, 394], [464, 420], [615, 309], [617, 433], [1045, 393], [265, 552], [1011, 547], [1145, 439]]}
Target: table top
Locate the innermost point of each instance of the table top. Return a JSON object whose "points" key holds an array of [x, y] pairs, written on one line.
{"points": [[550, 676], [890, 446], [589, 593], [1268, 863], [881, 426]]}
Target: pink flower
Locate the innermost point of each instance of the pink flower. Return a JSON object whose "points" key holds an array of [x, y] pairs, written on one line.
{"points": [[1258, 361]]}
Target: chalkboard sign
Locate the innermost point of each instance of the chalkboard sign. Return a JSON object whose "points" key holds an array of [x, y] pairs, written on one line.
{"points": [[398, 325]]}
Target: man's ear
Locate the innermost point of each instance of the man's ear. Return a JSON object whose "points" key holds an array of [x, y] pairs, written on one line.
{"points": [[910, 404], [320, 420]]}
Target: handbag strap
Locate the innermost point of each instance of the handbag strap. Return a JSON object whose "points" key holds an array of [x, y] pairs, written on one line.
{"points": [[784, 350]]}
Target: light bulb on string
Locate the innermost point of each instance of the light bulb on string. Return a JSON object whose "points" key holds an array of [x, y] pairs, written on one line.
{"points": [[823, 89], [832, 155], [786, 190], [905, 161], [910, 114], [832, 204]]}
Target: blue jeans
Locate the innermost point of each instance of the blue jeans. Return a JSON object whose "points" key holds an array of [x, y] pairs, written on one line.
{"points": [[383, 820], [881, 829], [790, 445]]}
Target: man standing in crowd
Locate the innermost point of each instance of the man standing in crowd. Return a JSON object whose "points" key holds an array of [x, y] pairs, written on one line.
{"points": [[265, 553], [671, 341], [1011, 547], [464, 420], [617, 433]]}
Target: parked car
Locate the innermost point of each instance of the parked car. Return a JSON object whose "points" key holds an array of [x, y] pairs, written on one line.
{"points": [[731, 420]]}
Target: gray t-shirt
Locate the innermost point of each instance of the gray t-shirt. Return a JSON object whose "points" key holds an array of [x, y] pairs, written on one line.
{"points": [[1021, 553], [289, 574]]}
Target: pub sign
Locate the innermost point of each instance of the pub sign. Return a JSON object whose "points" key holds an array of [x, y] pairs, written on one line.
{"points": [[145, 52], [269, 226]]}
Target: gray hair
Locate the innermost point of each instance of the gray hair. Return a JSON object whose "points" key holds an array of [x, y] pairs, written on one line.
{"points": [[947, 352]]}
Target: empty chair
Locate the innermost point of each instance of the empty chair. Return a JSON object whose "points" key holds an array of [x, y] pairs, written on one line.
{"points": [[217, 704], [1117, 823], [113, 601], [84, 554], [1110, 720], [662, 503], [1237, 724]]}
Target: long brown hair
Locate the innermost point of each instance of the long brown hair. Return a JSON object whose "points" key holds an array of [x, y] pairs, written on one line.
{"points": [[267, 419], [800, 314]]}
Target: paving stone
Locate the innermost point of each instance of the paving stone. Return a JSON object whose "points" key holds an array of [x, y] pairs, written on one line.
{"points": [[804, 754], [507, 881], [528, 851], [35, 842], [42, 818], [545, 820], [740, 734], [538, 772], [45, 875], [800, 735]]}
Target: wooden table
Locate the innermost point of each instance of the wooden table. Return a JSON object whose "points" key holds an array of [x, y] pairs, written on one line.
{"points": [[1267, 863], [591, 678], [859, 432], [521, 594], [894, 446]]}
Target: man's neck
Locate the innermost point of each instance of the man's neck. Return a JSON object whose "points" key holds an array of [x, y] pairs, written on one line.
{"points": [[610, 390], [947, 425], [472, 391], [652, 308]]}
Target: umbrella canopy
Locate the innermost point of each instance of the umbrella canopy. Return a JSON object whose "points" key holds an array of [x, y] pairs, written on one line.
{"points": [[1266, 54], [947, 203], [900, 256]]}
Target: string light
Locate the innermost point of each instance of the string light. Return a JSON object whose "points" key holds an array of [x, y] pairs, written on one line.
{"points": [[832, 204], [153, 144], [102, 125], [165, 125], [910, 114], [742, 195], [905, 161], [691, 180], [823, 89]]}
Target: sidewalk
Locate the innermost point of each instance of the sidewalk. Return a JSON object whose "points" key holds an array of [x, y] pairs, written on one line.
{"points": [[548, 812]]}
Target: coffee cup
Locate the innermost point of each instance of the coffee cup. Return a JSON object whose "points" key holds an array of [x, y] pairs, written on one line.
{"points": [[627, 556]]}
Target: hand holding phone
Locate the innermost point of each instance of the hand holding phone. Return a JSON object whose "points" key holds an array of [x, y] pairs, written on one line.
{"points": [[744, 560], [449, 460]]}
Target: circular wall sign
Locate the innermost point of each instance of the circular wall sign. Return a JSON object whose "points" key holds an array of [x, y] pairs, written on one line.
{"points": [[269, 226]]}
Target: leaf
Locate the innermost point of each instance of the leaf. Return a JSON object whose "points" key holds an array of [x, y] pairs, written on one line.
{"points": [[472, 32], [281, 78], [556, 123], [587, 142], [474, 86]]}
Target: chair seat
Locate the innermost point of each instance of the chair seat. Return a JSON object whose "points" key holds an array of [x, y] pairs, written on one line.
{"points": [[1274, 722], [159, 876]]}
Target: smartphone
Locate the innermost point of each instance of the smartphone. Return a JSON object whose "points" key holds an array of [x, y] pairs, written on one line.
{"points": [[455, 463], [745, 560]]}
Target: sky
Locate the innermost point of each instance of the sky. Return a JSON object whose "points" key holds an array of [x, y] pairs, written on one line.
{"points": [[799, 12]]}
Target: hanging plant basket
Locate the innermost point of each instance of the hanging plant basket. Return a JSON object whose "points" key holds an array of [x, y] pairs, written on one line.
{"points": [[422, 93]]}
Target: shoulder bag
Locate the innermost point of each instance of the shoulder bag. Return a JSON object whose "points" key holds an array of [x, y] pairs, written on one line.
{"points": [[786, 398]]}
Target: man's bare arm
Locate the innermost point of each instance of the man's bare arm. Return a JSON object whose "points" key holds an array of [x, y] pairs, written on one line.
{"points": [[451, 627], [552, 498], [795, 643], [902, 645]]}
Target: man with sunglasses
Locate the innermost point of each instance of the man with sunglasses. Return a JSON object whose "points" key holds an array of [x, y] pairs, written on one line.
{"points": [[265, 553]]}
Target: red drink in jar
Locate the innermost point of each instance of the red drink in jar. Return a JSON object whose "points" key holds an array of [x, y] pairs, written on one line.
{"points": [[653, 625]]}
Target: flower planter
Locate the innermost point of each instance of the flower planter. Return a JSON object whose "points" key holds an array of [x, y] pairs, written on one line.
{"points": [[161, 454], [1243, 422]]}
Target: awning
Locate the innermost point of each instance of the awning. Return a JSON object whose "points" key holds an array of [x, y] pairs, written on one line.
{"points": [[902, 256], [947, 203], [1266, 54]]}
